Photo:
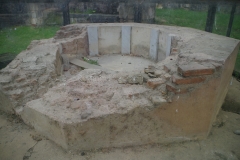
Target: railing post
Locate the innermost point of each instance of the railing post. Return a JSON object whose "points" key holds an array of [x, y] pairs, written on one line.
{"points": [[211, 17], [231, 19]]}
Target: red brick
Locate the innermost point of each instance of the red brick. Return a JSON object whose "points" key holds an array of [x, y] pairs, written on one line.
{"points": [[195, 69], [191, 80], [172, 88], [155, 82]]}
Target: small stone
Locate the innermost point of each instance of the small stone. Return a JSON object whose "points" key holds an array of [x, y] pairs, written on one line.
{"points": [[148, 70], [136, 79], [145, 77], [122, 80], [157, 100], [159, 73], [167, 76], [152, 75], [237, 132], [83, 154], [36, 137], [85, 114]]}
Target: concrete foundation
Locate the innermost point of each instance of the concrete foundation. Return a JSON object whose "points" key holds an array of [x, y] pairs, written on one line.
{"points": [[167, 86]]}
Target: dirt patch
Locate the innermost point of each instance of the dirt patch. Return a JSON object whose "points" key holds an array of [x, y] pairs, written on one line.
{"points": [[18, 142]]}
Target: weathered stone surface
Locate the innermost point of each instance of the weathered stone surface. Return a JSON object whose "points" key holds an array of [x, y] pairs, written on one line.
{"points": [[73, 40], [195, 69], [31, 66], [201, 57], [30, 59]]}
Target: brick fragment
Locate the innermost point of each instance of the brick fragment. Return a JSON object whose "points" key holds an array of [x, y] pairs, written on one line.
{"points": [[172, 88], [190, 80], [155, 82], [174, 50], [195, 69]]}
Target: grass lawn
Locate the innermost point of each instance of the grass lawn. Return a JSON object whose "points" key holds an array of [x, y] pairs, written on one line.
{"points": [[197, 19], [15, 40]]}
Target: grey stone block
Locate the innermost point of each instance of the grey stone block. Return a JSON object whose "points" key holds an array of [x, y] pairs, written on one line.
{"points": [[169, 44], [93, 40], [154, 44], [126, 39]]}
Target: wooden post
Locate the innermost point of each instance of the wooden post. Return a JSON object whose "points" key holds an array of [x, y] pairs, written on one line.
{"points": [[138, 13], [66, 16], [211, 17]]}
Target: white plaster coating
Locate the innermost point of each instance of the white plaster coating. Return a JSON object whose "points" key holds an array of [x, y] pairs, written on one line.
{"points": [[154, 44], [126, 38], [93, 40], [169, 43], [109, 39], [140, 41]]}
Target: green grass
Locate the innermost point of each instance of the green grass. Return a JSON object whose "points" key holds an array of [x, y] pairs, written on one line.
{"points": [[90, 61], [180, 17], [14, 41], [237, 64], [197, 19]]}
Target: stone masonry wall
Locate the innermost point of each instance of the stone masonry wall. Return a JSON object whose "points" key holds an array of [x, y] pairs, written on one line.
{"points": [[30, 74], [38, 68]]}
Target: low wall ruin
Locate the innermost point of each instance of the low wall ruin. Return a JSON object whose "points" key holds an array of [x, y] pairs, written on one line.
{"points": [[176, 98]]}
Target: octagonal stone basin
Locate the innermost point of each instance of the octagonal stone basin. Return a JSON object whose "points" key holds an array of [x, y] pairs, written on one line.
{"points": [[154, 84]]}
